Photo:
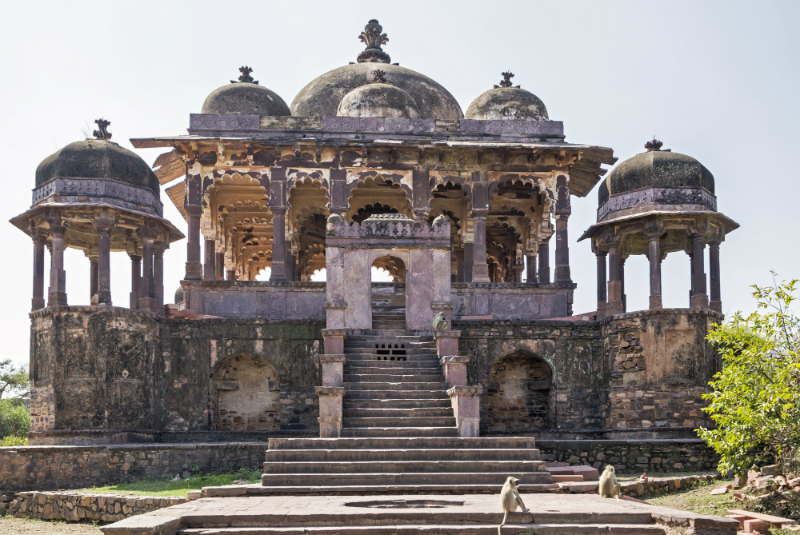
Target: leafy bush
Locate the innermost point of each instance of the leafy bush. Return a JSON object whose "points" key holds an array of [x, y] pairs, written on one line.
{"points": [[13, 441], [15, 419], [755, 401]]}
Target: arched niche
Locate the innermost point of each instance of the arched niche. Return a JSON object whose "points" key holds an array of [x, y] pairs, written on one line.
{"points": [[521, 395], [393, 265], [246, 395]]}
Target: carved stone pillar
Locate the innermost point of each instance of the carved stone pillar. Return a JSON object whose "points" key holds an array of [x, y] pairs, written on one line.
{"points": [[562, 273], [713, 261], [278, 244], [219, 267], [614, 305], [147, 299], [699, 297], [480, 269], [136, 281], [158, 275], [93, 276], [654, 255], [531, 267], [469, 260], [544, 262], [57, 295], [230, 275], [104, 224], [209, 258], [601, 284], [37, 301], [194, 269]]}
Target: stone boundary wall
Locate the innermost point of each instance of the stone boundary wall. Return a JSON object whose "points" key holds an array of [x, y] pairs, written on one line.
{"points": [[633, 456], [27, 468], [74, 507]]}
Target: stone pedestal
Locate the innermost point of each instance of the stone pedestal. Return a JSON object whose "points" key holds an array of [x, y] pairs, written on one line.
{"points": [[447, 343], [455, 369], [330, 411], [466, 406], [332, 369], [334, 341]]}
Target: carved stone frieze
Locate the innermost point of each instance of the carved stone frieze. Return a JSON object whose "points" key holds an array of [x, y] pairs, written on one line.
{"points": [[521, 128], [222, 121], [683, 199], [378, 124], [72, 190]]}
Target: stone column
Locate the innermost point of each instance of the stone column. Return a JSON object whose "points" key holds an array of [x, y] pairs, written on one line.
{"points": [[278, 244], [469, 260], [465, 401], [654, 255], [93, 276], [147, 299], [601, 284], [562, 273], [622, 283], [158, 275], [57, 295], [230, 275], [531, 266], [209, 258], [480, 269], [544, 262], [614, 305], [699, 296], [136, 281], [713, 261], [330, 411], [194, 269], [460, 265], [104, 224], [37, 301], [219, 267]]}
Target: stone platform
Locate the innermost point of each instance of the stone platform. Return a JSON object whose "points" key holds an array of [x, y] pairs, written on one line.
{"points": [[432, 514]]}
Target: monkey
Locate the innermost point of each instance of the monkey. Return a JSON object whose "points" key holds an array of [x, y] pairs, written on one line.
{"points": [[439, 322], [609, 486], [510, 499]]}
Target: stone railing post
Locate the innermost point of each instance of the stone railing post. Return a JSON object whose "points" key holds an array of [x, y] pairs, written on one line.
{"points": [[447, 343], [466, 406], [455, 369], [330, 411], [334, 341], [332, 369]]}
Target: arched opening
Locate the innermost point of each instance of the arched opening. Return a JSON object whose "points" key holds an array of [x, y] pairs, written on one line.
{"points": [[377, 195], [388, 267], [521, 394], [450, 199], [246, 395], [308, 214]]}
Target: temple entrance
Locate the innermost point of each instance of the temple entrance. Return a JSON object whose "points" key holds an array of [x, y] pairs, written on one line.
{"points": [[521, 394], [247, 396]]}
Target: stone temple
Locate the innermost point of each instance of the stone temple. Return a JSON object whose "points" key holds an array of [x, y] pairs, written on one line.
{"points": [[371, 165]]}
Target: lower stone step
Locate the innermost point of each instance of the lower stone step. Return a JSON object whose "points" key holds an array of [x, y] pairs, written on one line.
{"points": [[403, 478], [380, 432], [367, 490], [441, 529], [399, 404], [385, 412], [345, 443], [394, 421], [402, 466], [395, 394], [428, 454]]}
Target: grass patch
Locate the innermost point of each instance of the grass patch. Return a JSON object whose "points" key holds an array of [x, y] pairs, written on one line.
{"points": [[698, 500], [167, 487]]}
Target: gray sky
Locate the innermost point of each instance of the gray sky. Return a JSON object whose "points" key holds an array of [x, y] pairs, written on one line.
{"points": [[715, 80]]}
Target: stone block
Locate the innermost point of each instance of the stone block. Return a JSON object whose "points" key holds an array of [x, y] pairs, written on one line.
{"points": [[752, 525]]}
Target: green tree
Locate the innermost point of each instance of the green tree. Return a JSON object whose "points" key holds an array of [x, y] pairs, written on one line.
{"points": [[15, 418], [755, 401], [14, 380]]}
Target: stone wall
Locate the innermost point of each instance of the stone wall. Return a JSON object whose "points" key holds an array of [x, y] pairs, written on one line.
{"points": [[114, 375], [73, 507], [28, 468], [633, 456]]}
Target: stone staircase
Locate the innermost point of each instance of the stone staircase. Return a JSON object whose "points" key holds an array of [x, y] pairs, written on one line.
{"points": [[399, 433]]}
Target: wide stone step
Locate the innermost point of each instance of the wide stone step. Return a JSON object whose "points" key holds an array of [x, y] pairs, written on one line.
{"points": [[376, 432], [403, 478], [427, 454], [395, 394], [396, 377], [402, 443], [399, 385], [391, 412], [396, 403], [403, 467], [441, 529], [394, 421], [392, 368]]}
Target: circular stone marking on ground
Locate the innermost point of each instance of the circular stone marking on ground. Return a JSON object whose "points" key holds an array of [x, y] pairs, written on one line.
{"points": [[404, 504]]}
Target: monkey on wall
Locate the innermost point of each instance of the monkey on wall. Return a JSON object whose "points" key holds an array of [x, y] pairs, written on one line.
{"points": [[609, 486], [510, 499]]}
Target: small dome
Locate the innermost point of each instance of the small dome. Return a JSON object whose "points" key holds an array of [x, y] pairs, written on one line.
{"points": [[98, 158], [656, 169], [507, 103], [378, 100], [179, 295], [245, 97]]}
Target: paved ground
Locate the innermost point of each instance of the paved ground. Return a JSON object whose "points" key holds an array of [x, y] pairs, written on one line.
{"points": [[16, 526]]}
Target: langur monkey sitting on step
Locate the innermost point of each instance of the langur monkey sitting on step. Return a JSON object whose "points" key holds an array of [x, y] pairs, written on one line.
{"points": [[609, 486], [510, 499]]}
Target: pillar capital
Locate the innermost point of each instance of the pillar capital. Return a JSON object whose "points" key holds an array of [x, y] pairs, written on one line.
{"points": [[104, 222]]}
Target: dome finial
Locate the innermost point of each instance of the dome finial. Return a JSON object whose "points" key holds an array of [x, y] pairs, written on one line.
{"points": [[378, 77], [373, 38], [245, 76], [506, 81], [653, 145], [103, 133]]}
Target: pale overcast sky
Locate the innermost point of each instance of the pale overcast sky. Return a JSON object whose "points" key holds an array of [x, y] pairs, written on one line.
{"points": [[716, 80]]}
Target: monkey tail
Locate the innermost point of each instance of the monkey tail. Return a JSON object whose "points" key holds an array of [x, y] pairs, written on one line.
{"points": [[503, 523]]}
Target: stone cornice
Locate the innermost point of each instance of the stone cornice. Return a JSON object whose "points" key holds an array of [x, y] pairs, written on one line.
{"points": [[70, 190], [465, 390]]}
